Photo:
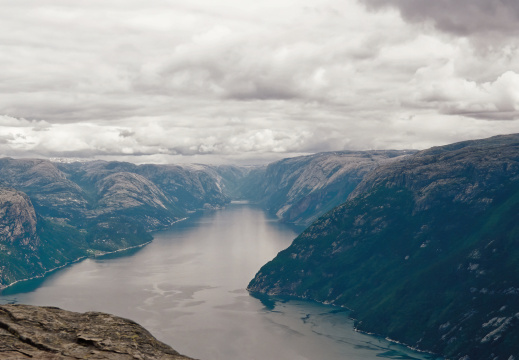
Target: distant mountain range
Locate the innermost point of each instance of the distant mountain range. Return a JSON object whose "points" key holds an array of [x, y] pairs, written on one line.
{"points": [[300, 189], [422, 246], [425, 251]]}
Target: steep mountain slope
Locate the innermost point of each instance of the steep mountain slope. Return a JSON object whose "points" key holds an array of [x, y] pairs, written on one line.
{"points": [[51, 192], [89, 208], [425, 251], [187, 187], [17, 233], [193, 187], [300, 189], [28, 247], [241, 182]]}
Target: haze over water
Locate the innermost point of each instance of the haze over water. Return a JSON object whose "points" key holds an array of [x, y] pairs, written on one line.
{"points": [[187, 288]]}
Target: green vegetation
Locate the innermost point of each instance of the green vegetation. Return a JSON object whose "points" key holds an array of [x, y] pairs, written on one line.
{"points": [[427, 254]]}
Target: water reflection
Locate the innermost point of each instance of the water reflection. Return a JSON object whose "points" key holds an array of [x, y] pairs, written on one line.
{"points": [[188, 288]]}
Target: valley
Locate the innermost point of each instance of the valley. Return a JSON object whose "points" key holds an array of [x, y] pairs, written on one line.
{"points": [[187, 288], [420, 245]]}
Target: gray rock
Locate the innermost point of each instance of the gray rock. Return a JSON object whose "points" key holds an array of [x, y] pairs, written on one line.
{"points": [[17, 218], [51, 333]]}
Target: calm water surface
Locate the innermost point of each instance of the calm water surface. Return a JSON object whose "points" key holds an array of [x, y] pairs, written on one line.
{"points": [[188, 289]]}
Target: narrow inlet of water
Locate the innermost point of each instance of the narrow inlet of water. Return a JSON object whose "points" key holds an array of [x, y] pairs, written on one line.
{"points": [[187, 288]]}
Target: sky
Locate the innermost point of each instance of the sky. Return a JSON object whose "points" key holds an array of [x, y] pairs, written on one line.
{"points": [[169, 81]]}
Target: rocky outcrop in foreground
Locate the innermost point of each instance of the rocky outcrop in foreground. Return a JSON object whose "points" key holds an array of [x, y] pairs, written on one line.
{"points": [[51, 333]]}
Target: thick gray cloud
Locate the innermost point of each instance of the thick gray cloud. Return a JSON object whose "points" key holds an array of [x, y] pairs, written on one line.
{"points": [[164, 80], [460, 17]]}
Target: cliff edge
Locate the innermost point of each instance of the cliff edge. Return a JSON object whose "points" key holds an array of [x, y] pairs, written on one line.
{"points": [[52, 333]]}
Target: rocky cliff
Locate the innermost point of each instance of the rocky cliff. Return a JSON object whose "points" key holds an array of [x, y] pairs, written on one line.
{"points": [[17, 219], [425, 251], [18, 236], [299, 190], [51, 333]]}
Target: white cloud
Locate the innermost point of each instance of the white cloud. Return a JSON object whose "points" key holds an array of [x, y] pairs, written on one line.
{"points": [[440, 87], [159, 79], [12, 122]]}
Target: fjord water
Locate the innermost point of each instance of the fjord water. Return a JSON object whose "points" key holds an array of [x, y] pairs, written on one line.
{"points": [[187, 288]]}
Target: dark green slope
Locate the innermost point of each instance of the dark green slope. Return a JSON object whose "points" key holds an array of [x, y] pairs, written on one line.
{"points": [[425, 252]]}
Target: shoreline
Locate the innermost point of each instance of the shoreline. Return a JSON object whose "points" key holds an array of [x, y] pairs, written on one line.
{"points": [[93, 256], [3, 287], [101, 254], [327, 303], [437, 356]]}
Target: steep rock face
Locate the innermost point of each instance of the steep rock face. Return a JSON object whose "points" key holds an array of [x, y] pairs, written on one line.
{"points": [[51, 333], [243, 182], [300, 189], [17, 219], [18, 237], [425, 251], [460, 172], [51, 192]]}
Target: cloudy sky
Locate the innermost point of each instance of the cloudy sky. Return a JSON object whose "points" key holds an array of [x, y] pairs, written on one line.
{"points": [[249, 81]]}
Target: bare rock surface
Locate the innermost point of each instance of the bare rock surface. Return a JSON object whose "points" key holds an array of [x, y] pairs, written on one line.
{"points": [[19, 241], [52, 333], [17, 217]]}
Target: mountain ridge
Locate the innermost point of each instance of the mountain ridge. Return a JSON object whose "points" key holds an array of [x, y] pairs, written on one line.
{"points": [[300, 189], [424, 251], [84, 209]]}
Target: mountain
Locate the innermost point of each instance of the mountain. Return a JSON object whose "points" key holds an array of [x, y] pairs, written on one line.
{"points": [[50, 190], [17, 232], [425, 251], [87, 208], [187, 187], [56, 213], [51, 333], [242, 182], [423, 246], [298, 190]]}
